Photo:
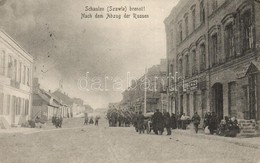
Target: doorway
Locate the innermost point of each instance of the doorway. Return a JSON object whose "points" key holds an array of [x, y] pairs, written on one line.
{"points": [[217, 100]]}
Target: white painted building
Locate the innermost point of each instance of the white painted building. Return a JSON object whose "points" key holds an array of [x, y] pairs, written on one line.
{"points": [[15, 81]]}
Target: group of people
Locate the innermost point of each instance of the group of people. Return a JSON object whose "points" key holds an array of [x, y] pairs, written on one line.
{"points": [[57, 121], [228, 127], [157, 122], [120, 118], [91, 121], [225, 127]]}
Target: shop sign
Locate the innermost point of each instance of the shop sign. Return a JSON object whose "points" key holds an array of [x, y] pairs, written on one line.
{"points": [[194, 84]]}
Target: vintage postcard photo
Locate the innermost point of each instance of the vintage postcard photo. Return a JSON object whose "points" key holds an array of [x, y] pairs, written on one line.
{"points": [[129, 81]]}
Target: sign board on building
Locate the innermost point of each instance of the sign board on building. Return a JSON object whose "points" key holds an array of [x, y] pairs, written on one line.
{"points": [[193, 84]]}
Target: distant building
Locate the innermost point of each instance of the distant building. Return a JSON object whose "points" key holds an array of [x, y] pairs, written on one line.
{"points": [[133, 98], [88, 109], [78, 106], [15, 82], [45, 105], [65, 101]]}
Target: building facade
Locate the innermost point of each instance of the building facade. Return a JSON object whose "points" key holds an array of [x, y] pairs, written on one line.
{"points": [[213, 51], [15, 81], [155, 79]]}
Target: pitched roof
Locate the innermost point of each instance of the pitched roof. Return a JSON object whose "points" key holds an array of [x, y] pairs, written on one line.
{"points": [[65, 98]]}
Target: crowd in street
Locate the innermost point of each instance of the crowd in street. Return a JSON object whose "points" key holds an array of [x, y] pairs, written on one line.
{"points": [[57, 121], [90, 120], [226, 127], [120, 118], [160, 121]]}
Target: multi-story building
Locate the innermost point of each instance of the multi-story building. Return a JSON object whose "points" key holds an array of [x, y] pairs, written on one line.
{"points": [[213, 49], [15, 81], [155, 80]]}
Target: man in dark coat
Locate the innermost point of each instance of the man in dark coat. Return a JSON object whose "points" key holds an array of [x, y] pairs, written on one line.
{"points": [[173, 121], [213, 123], [135, 121], [167, 121], [196, 121], [158, 122], [140, 122]]}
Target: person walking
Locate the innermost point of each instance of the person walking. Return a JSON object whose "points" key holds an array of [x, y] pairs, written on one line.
{"points": [[167, 121], [196, 121], [135, 121], [183, 121], [86, 119], [140, 122], [158, 122], [96, 121], [173, 121]]}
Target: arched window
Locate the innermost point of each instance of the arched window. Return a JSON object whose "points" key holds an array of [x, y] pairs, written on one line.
{"points": [[202, 57], [247, 30]]}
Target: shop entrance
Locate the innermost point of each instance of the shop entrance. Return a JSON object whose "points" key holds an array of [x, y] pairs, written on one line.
{"points": [[217, 100], [252, 80]]}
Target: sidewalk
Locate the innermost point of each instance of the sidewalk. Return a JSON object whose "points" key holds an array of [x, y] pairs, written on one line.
{"points": [[253, 142]]}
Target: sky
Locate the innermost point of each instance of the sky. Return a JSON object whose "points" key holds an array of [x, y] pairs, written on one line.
{"points": [[73, 50]]}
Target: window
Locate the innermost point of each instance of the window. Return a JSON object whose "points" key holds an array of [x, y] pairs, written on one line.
{"points": [[26, 107], [20, 72], [214, 5], [181, 104], [2, 63], [8, 105], [187, 66], [188, 104], [247, 30], [214, 48], [1, 103], [193, 19], [24, 74], [10, 66], [186, 26], [202, 12], [28, 77], [195, 102], [180, 66], [194, 62], [180, 32], [202, 57], [15, 70], [229, 42], [18, 106], [23, 107]]}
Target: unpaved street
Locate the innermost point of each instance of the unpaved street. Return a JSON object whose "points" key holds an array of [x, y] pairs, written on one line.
{"points": [[77, 143]]}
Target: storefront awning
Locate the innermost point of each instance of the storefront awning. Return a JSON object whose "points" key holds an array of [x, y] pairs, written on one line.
{"points": [[243, 71]]}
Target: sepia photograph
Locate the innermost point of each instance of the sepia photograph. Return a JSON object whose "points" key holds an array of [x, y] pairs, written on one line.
{"points": [[130, 81]]}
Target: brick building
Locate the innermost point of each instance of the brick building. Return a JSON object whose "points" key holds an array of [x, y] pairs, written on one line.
{"points": [[213, 48]]}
